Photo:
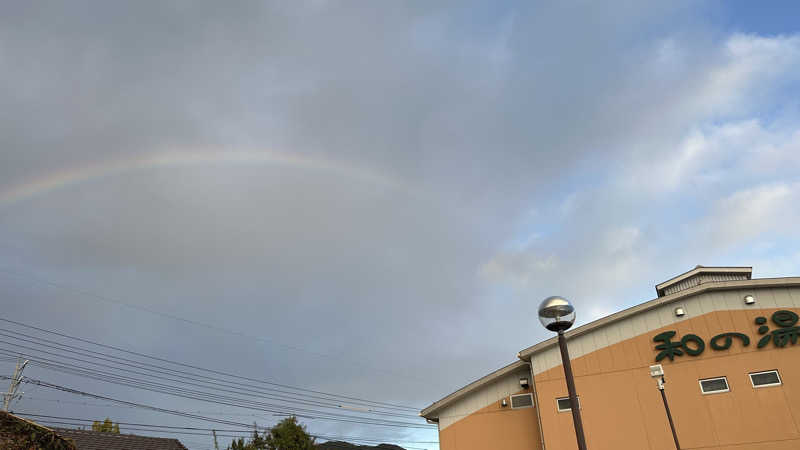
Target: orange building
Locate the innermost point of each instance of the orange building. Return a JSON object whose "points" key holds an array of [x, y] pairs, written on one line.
{"points": [[728, 345]]}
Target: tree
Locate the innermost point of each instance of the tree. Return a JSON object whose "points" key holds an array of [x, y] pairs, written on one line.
{"points": [[286, 435], [106, 426], [255, 443]]}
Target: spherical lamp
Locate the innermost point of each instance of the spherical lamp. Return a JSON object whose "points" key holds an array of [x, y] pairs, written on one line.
{"points": [[556, 313]]}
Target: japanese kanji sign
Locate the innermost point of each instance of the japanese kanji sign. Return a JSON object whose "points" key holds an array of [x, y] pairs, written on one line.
{"points": [[693, 345]]}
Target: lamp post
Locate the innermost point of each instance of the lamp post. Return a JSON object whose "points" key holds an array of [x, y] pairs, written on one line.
{"points": [[557, 314], [657, 372]]}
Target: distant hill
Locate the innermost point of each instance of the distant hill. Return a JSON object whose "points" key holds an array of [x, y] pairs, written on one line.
{"points": [[339, 445]]}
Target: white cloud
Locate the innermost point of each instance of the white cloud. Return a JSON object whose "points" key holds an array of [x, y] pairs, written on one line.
{"points": [[745, 215], [723, 110], [719, 178]]}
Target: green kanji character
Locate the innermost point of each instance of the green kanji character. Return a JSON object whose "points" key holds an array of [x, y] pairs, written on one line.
{"points": [[787, 332], [728, 340], [671, 349]]}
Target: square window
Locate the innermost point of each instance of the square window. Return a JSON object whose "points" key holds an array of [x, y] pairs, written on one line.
{"points": [[521, 401], [564, 404], [765, 379], [714, 385]]}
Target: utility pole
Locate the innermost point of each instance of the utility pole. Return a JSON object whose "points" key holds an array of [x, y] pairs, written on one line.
{"points": [[16, 379], [216, 444]]}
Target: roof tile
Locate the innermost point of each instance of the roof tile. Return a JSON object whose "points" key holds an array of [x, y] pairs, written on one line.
{"points": [[96, 440]]}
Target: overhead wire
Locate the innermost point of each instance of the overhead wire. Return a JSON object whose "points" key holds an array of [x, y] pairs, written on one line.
{"points": [[309, 414], [304, 414], [216, 372], [206, 384], [250, 430], [331, 442], [107, 299]]}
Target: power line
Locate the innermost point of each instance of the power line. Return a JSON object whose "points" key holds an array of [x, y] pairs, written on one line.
{"points": [[125, 402], [107, 299], [332, 442], [216, 372], [109, 405], [223, 400], [74, 419], [250, 430], [185, 375], [310, 415], [164, 429]]}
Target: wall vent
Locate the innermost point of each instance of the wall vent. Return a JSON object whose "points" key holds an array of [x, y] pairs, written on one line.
{"points": [[521, 401]]}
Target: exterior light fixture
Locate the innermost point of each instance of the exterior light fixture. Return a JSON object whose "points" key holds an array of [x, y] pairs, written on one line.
{"points": [[523, 382], [557, 314], [680, 312], [749, 299], [657, 372], [504, 403]]}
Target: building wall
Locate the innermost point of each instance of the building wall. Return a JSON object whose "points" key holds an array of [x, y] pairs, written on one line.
{"points": [[493, 427], [478, 422], [622, 408]]}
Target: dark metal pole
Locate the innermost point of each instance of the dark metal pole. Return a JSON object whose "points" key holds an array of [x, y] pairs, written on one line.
{"points": [[669, 415], [573, 397]]}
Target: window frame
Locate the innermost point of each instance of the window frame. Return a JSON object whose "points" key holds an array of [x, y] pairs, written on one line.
{"points": [[558, 407], [779, 383], [721, 391], [511, 400]]}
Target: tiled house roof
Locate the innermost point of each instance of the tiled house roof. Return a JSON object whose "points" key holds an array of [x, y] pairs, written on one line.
{"points": [[96, 440], [18, 433]]}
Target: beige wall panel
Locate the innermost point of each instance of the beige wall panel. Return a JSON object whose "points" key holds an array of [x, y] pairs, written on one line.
{"points": [[703, 306], [651, 319], [794, 295], [721, 300], [767, 299], [639, 326], [600, 339], [614, 333], [666, 315], [693, 307], [553, 357], [536, 364]]}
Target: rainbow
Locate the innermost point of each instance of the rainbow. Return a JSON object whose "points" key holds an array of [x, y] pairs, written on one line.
{"points": [[64, 178]]}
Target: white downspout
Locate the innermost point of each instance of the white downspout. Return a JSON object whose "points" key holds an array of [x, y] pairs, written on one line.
{"points": [[538, 404]]}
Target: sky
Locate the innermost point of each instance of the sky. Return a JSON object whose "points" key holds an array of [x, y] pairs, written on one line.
{"points": [[372, 198]]}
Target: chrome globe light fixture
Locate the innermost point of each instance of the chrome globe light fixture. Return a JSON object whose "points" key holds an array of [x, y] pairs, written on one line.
{"points": [[556, 313]]}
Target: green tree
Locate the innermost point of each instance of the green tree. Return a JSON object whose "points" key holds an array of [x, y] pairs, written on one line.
{"points": [[286, 435], [106, 426]]}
